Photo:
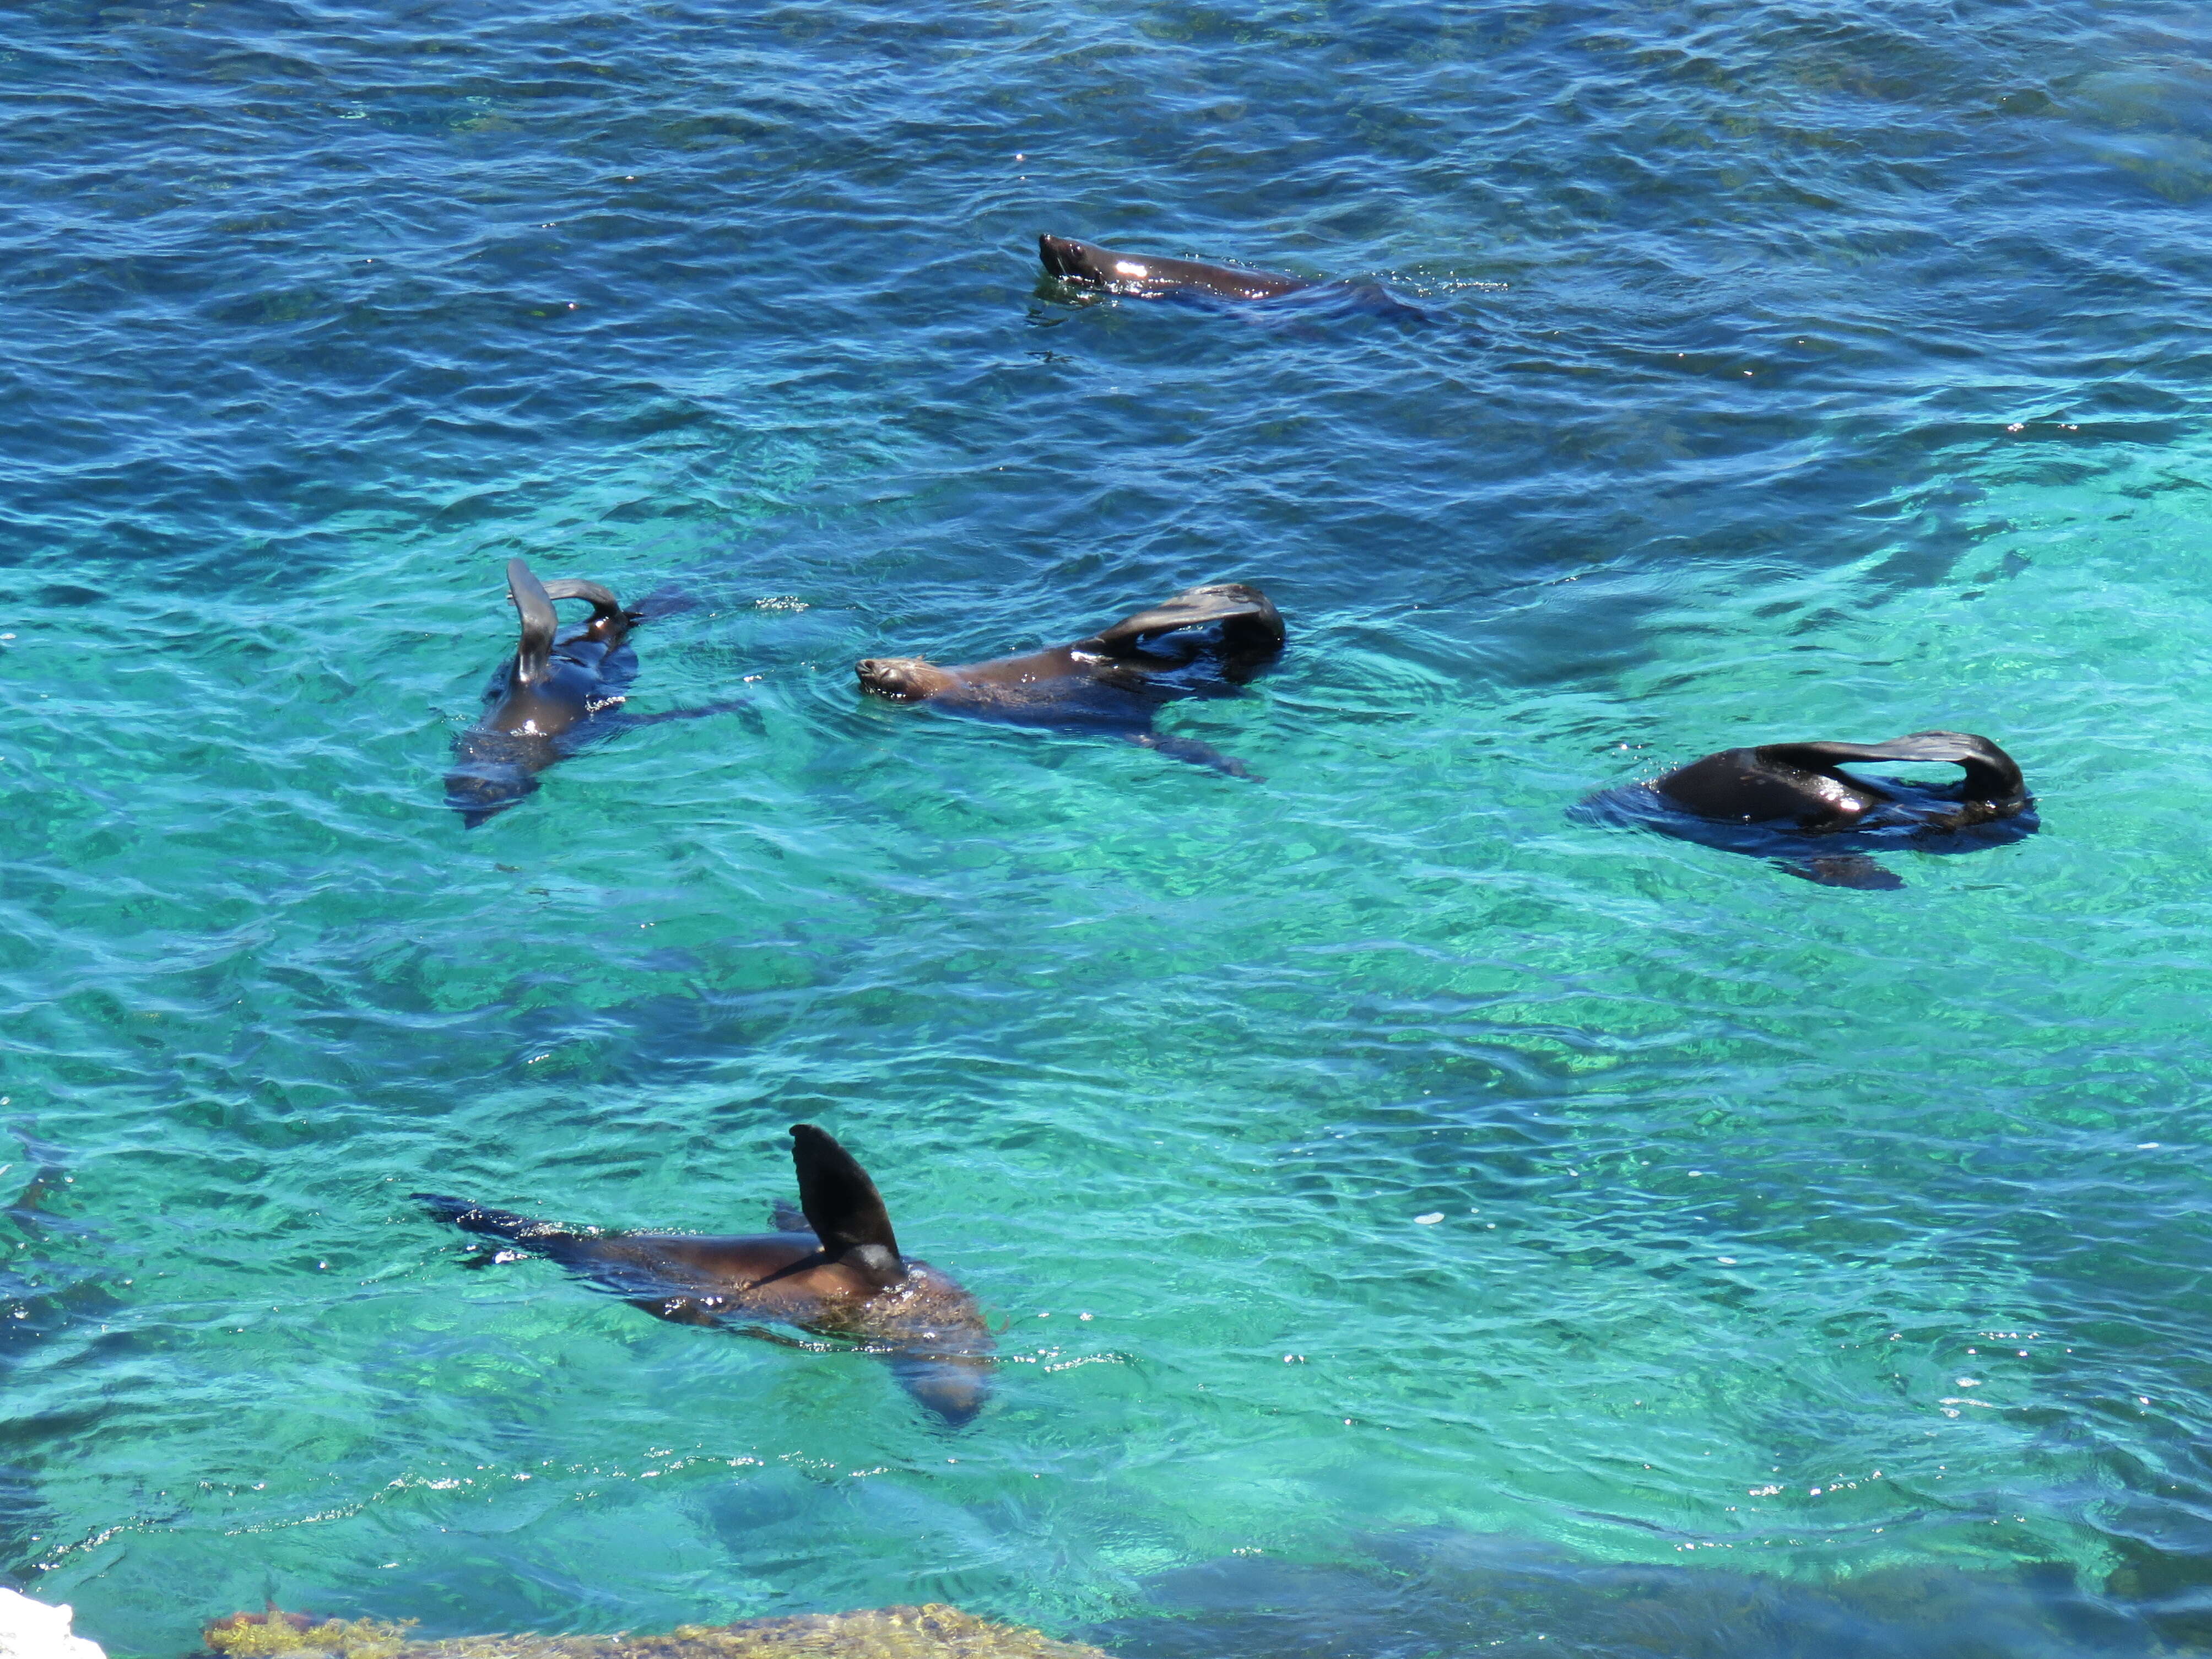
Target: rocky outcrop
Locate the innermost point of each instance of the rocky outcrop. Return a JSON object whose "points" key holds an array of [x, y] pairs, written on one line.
{"points": [[933, 1632]]}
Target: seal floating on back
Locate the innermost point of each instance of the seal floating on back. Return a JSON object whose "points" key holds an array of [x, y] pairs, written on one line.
{"points": [[833, 1268], [1771, 800], [558, 693], [547, 701], [1148, 276], [1205, 642]]}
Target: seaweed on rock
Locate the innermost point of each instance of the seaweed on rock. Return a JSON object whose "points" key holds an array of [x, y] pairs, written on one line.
{"points": [[932, 1632]]}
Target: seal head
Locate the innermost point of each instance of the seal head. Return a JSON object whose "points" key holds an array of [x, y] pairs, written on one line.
{"points": [[903, 679]]}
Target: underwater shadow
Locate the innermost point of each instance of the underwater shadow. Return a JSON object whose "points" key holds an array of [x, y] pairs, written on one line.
{"points": [[1437, 1593]]}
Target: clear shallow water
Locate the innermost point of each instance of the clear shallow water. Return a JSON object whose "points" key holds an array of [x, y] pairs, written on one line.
{"points": [[1799, 370]]}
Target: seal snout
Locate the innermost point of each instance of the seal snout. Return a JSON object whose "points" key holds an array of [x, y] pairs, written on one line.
{"points": [[1062, 255], [902, 679]]}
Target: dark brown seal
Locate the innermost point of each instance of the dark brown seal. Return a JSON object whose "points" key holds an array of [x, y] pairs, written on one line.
{"points": [[1147, 275], [1805, 784], [1150, 277], [554, 694], [1773, 799], [1205, 642], [835, 1269]]}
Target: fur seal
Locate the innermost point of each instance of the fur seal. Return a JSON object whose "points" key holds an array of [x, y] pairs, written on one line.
{"points": [[832, 1267], [1768, 800], [1205, 642], [559, 693], [546, 703], [1148, 276]]}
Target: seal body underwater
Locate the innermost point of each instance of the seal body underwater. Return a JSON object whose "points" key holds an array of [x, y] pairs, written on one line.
{"points": [[1794, 803], [1205, 642], [551, 698], [833, 1268], [1149, 277]]}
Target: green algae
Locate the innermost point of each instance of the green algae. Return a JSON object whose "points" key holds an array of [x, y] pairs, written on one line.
{"points": [[933, 1630]]}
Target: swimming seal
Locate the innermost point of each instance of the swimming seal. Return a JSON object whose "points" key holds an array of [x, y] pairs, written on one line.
{"points": [[1769, 800], [1205, 642], [833, 1268], [546, 703], [1148, 276]]}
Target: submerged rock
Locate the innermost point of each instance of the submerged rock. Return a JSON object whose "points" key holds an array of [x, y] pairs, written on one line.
{"points": [[32, 1630], [253, 1635], [934, 1631]]}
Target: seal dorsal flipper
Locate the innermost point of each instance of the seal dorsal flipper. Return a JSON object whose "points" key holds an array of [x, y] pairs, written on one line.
{"points": [[533, 658], [842, 1204], [1991, 774], [1249, 619]]}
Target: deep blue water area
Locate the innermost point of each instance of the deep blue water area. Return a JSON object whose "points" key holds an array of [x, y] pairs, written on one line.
{"points": [[1424, 1222]]}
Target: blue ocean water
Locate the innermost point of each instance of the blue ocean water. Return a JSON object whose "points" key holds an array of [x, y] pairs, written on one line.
{"points": [[1818, 1272]]}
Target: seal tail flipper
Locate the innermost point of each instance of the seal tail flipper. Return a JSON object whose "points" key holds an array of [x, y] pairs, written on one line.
{"points": [[1991, 774], [605, 604], [1250, 625], [1853, 870], [1197, 753], [533, 658], [842, 1204]]}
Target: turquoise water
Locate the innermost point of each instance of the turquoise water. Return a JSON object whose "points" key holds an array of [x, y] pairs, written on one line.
{"points": [[1820, 1272]]}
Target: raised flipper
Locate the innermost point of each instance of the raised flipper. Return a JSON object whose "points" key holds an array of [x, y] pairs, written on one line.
{"points": [[789, 1218], [1991, 774], [1197, 753], [1250, 625], [842, 1207], [605, 604], [1854, 870], [534, 658]]}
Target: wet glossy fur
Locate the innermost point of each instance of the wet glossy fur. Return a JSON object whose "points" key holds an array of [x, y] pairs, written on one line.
{"points": [[833, 1268], [1150, 277], [1205, 642], [1794, 803], [554, 695]]}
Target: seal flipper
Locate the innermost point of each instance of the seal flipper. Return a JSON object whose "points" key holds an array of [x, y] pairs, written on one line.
{"points": [[1197, 753], [954, 1386], [533, 658], [842, 1206], [604, 605], [1853, 870], [497, 1223], [789, 1218], [1991, 774], [750, 712], [1250, 625]]}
